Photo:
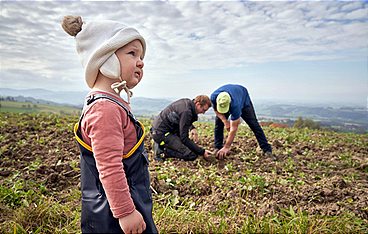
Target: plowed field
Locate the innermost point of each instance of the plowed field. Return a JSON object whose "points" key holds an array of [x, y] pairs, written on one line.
{"points": [[318, 175]]}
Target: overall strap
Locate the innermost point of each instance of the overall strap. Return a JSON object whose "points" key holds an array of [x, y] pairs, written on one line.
{"points": [[139, 126], [97, 96]]}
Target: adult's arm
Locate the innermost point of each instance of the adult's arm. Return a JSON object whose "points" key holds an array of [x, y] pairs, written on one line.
{"points": [[223, 118], [184, 126], [234, 124]]}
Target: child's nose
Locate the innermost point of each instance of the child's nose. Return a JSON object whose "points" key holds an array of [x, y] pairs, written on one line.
{"points": [[140, 63]]}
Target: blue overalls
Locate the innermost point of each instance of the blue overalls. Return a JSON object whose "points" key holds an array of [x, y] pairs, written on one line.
{"points": [[96, 214]]}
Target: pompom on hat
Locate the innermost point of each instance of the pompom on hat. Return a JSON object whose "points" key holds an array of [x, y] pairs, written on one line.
{"points": [[223, 101], [97, 42]]}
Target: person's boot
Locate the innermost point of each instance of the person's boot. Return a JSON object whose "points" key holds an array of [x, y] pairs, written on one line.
{"points": [[270, 155], [158, 152]]}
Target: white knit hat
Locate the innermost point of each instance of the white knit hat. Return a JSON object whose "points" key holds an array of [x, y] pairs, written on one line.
{"points": [[96, 45]]}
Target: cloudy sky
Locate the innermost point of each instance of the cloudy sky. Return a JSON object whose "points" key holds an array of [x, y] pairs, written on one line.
{"points": [[293, 51]]}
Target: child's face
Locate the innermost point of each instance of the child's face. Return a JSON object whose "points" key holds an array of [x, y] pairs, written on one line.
{"points": [[131, 64]]}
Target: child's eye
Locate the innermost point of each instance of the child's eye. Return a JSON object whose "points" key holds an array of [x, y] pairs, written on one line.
{"points": [[132, 53]]}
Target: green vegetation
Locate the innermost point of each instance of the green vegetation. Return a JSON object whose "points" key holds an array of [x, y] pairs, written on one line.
{"points": [[27, 107], [317, 185], [306, 123]]}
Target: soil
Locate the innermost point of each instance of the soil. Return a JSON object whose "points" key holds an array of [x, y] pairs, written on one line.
{"points": [[308, 176]]}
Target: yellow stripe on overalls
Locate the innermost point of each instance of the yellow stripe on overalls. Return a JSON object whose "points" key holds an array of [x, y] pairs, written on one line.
{"points": [[89, 148]]}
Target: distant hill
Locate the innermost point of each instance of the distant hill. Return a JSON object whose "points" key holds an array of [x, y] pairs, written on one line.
{"points": [[340, 118], [353, 114], [140, 105], [16, 105], [148, 106], [61, 97], [33, 100]]}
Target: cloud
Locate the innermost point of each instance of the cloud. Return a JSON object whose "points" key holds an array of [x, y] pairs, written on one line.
{"points": [[184, 37]]}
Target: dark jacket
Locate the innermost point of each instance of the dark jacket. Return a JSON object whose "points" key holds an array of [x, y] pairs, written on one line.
{"points": [[178, 118]]}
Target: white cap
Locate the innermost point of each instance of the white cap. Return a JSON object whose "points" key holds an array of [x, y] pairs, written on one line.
{"points": [[96, 45]]}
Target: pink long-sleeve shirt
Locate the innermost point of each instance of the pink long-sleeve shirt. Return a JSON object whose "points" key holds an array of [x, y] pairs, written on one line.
{"points": [[107, 128]]}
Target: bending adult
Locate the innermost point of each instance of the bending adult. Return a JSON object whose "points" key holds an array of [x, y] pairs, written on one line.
{"points": [[233, 101], [170, 129]]}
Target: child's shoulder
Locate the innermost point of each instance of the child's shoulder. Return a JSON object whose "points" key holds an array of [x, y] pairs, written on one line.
{"points": [[104, 105], [107, 97]]}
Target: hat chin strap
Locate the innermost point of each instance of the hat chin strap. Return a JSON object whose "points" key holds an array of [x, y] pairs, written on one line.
{"points": [[118, 86]]}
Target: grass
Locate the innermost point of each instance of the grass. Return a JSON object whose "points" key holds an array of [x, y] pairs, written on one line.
{"points": [[45, 216], [32, 209], [183, 220], [247, 196]]}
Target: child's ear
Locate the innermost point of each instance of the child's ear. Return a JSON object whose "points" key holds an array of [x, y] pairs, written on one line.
{"points": [[111, 68]]}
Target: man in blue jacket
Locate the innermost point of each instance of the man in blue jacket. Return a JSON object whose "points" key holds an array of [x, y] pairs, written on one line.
{"points": [[234, 101]]}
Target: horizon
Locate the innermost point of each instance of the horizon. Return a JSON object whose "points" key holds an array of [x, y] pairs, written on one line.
{"points": [[309, 52], [259, 101]]}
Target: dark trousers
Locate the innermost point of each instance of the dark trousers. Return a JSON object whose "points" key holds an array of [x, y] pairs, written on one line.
{"points": [[96, 214], [249, 116], [173, 147]]}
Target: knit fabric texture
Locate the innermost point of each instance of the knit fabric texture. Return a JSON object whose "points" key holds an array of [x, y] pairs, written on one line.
{"points": [[96, 45]]}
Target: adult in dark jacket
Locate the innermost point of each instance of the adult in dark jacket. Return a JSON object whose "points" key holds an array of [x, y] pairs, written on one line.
{"points": [[170, 129], [234, 101]]}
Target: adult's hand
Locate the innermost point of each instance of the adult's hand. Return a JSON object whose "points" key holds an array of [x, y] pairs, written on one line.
{"points": [[132, 223], [194, 135], [207, 153], [222, 152], [209, 156]]}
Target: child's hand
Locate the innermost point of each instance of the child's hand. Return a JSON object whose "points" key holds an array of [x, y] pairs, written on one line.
{"points": [[132, 223]]}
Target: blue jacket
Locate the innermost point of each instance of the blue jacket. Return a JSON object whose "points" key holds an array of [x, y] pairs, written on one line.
{"points": [[239, 99]]}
